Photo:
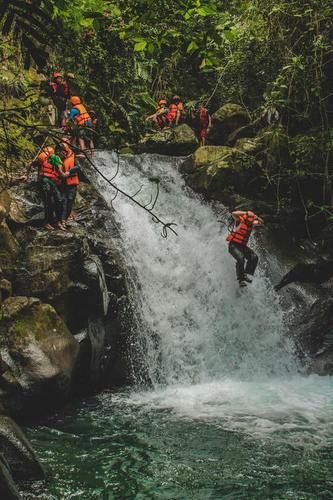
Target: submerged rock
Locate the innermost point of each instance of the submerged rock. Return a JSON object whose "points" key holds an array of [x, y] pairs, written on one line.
{"points": [[226, 120], [180, 140], [40, 353]]}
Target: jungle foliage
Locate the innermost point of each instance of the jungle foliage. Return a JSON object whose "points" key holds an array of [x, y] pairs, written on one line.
{"points": [[128, 53]]}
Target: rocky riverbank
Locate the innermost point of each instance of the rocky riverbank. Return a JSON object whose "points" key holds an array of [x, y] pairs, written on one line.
{"points": [[65, 312]]}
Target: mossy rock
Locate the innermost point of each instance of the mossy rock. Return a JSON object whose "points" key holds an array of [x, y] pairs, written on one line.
{"points": [[40, 352], [220, 171], [180, 140], [226, 120]]}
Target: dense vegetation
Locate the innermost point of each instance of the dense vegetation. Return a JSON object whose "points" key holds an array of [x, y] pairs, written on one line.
{"points": [[128, 53]]}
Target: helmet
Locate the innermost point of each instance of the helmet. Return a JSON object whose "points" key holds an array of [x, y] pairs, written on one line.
{"points": [[162, 101], [56, 75], [176, 98], [48, 151], [60, 147], [70, 75], [75, 100]]}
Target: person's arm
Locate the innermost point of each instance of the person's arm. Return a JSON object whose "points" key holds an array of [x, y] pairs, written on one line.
{"points": [[209, 121], [73, 113]]}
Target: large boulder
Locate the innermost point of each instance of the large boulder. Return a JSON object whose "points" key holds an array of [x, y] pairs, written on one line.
{"points": [[40, 353], [225, 121], [221, 173], [180, 140], [314, 337]]}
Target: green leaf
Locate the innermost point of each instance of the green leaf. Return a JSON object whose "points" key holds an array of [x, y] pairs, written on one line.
{"points": [[193, 46], [140, 46]]}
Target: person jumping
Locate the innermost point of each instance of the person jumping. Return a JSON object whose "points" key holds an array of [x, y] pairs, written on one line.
{"points": [[243, 224]]}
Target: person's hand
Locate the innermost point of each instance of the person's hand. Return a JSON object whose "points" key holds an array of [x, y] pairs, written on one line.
{"points": [[23, 178]]}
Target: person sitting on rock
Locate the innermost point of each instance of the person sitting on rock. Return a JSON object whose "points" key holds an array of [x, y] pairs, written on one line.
{"points": [[83, 127], [176, 112], [70, 182], [160, 116], [203, 123], [240, 232]]}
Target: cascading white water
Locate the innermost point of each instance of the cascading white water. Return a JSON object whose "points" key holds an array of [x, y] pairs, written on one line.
{"points": [[209, 348], [199, 327]]}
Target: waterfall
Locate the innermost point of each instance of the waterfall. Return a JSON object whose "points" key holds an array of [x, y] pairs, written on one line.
{"points": [[196, 326]]}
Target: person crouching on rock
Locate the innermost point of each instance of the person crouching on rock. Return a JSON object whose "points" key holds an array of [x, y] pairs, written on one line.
{"points": [[243, 224], [70, 182], [160, 116]]}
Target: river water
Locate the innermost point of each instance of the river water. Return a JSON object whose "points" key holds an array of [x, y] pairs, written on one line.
{"points": [[219, 407]]}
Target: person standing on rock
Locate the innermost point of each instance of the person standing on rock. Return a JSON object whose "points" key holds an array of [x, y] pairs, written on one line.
{"points": [[203, 122], [240, 232], [70, 182], [50, 173]]}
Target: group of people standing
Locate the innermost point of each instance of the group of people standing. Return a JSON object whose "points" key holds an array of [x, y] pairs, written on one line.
{"points": [[58, 178], [72, 115], [175, 113]]}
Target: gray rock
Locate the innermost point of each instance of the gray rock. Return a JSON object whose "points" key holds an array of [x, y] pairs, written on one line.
{"points": [[20, 456], [225, 121], [8, 490]]}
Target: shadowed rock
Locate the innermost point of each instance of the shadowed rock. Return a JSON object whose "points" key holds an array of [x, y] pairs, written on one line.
{"points": [[307, 273]]}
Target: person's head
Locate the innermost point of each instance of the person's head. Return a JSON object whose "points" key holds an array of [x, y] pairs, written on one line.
{"points": [[93, 114], [61, 150], [176, 99], [162, 102], [75, 100], [57, 77], [70, 76]]}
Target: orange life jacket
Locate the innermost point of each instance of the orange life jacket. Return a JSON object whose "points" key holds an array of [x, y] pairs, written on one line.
{"points": [[173, 109], [47, 170], [68, 163], [241, 233], [84, 117]]}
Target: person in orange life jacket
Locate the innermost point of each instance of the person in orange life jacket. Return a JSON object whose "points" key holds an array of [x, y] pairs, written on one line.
{"points": [[176, 111], [203, 123], [60, 95], [80, 116], [50, 173], [160, 116], [243, 224], [70, 183]]}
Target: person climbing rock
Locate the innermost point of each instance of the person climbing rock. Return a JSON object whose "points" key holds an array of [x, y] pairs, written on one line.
{"points": [[50, 173], [203, 123], [71, 180], [60, 94], [83, 127], [176, 111], [160, 116], [240, 232]]}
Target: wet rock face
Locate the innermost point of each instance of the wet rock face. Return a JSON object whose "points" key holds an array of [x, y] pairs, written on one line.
{"points": [[180, 140], [315, 338], [40, 354]]}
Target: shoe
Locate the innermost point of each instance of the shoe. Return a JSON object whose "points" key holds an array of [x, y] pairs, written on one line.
{"points": [[242, 284], [247, 279]]}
